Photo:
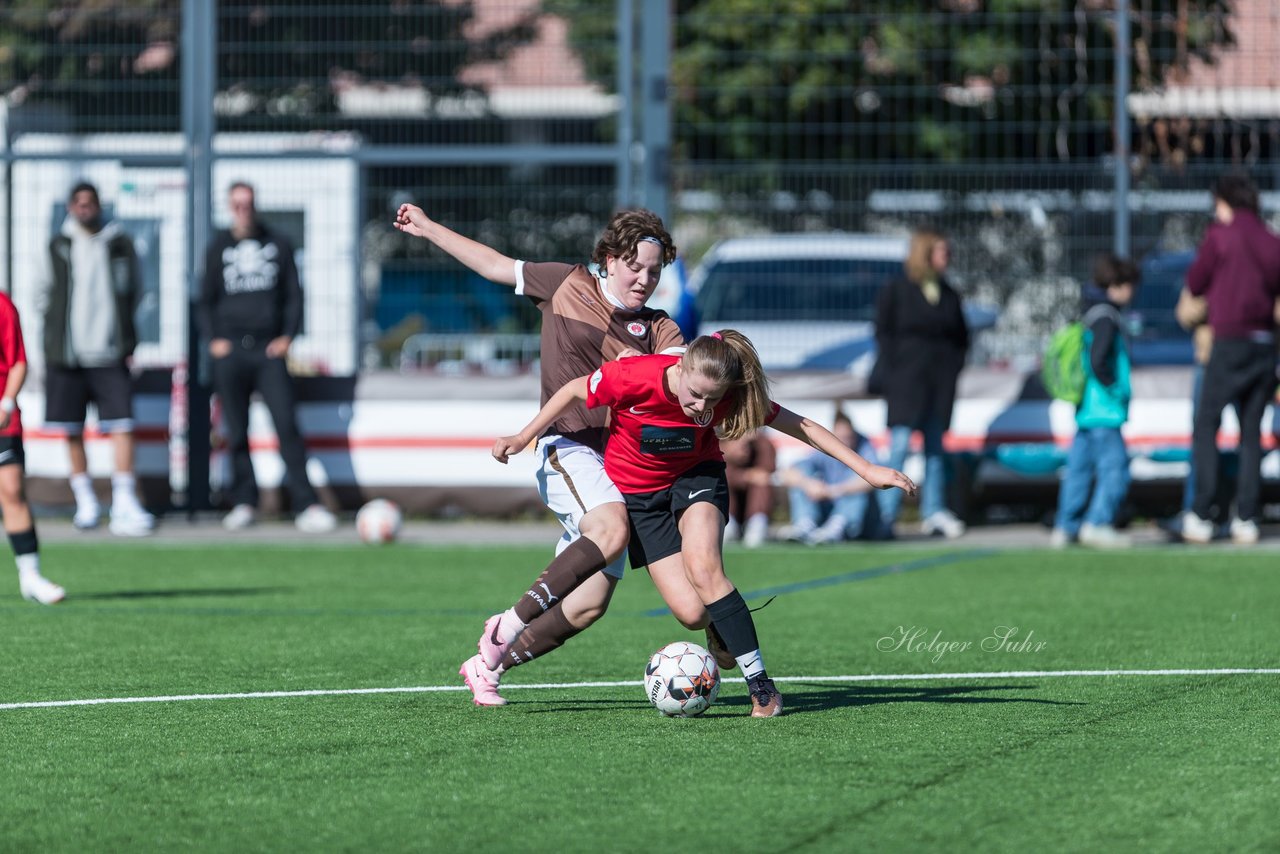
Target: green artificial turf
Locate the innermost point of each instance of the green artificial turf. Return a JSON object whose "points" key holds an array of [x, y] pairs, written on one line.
{"points": [[966, 762]]}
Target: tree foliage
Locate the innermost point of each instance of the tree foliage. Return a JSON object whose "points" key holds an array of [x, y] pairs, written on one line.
{"points": [[908, 79], [115, 64]]}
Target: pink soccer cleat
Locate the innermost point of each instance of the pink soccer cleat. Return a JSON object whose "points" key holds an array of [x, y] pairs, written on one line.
{"points": [[482, 681], [491, 649]]}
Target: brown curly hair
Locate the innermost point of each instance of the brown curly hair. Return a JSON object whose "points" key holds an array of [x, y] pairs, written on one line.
{"points": [[626, 230]]}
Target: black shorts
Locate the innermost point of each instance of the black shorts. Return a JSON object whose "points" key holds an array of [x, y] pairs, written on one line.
{"points": [[68, 392], [12, 452], [654, 515]]}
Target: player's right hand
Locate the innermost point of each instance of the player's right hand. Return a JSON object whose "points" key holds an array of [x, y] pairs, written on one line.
{"points": [[508, 446], [411, 220]]}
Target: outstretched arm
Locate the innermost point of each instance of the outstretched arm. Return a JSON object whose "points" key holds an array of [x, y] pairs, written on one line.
{"points": [[571, 391], [485, 260], [817, 436]]}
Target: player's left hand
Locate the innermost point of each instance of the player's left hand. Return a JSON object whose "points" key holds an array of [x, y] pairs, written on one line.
{"points": [[883, 477], [278, 348]]}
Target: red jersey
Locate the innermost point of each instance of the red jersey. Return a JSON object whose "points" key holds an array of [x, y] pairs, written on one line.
{"points": [[11, 353], [651, 439]]}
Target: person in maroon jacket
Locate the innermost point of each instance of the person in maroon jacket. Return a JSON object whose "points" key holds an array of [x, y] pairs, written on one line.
{"points": [[1237, 271]]}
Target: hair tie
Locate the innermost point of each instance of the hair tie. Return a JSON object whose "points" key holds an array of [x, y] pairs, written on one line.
{"points": [[717, 336]]}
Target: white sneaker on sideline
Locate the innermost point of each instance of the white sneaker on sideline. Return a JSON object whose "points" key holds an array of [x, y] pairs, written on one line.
{"points": [[756, 531], [797, 533], [132, 521], [831, 531], [87, 516], [36, 588], [316, 519], [1103, 537], [943, 523], [1195, 529], [1060, 539], [240, 517], [1244, 532], [732, 530]]}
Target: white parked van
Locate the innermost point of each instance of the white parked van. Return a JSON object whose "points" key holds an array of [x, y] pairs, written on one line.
{"points": [[807, 301]]}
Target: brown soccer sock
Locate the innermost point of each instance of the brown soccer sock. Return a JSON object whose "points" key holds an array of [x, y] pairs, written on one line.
{"points": [[571, 567], [549, 631]]}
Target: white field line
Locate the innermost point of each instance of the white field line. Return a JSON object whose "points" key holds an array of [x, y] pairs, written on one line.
{"points": [[433, 689]]}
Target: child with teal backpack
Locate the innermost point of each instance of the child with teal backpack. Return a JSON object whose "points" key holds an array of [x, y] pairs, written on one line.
{"points": [[1097, 475]]}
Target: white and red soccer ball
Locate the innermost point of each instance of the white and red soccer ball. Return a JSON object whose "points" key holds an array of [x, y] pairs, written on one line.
{"points": [[682, 680], [379, 521]]}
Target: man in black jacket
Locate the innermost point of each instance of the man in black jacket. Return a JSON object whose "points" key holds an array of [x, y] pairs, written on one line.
{"points": [[87, 301], [250, 310]]}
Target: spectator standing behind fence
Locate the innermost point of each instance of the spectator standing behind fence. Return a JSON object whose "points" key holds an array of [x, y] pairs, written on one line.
{"points": [[1098, 461], [829, 503], [922, 339], [1237, 271], [750, 463], [87, 298], [250, 310]]}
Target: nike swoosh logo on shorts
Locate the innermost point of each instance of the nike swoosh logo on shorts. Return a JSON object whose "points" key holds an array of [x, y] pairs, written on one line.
{"points": [[693, 495], [4, 455]]}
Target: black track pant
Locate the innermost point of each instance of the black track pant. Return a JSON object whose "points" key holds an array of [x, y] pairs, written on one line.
{"points": [[235, 378]]}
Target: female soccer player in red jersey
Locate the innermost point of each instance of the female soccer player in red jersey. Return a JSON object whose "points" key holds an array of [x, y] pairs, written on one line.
{"points": [[663, 454], [19, 524]]}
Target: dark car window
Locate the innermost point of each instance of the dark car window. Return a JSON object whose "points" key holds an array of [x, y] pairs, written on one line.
{"points": [[791, 289]]}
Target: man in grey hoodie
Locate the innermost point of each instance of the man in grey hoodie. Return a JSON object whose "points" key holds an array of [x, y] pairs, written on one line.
{"points": [[88, 299]]}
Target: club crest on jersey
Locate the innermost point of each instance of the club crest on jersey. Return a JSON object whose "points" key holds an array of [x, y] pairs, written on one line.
{"points": [[636, 328], [702, 419]]}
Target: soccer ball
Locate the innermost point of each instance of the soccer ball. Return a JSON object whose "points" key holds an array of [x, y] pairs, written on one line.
{"points": [[378, 521], [682, 680]]}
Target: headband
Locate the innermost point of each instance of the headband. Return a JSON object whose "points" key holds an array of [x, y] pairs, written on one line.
{"points": [[652, 239]]}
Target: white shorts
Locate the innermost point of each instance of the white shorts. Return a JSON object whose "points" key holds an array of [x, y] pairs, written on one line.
{"points": [[572, 482]]}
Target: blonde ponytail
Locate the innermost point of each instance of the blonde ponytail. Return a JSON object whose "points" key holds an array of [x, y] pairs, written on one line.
{"points": [[728, 357]]}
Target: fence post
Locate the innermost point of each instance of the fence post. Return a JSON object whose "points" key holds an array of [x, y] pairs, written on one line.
{"points": [[1121, 238], [199, 86]]}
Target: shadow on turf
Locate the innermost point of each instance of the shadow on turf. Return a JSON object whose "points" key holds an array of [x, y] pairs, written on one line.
{"points": [[195, 592], [819, 696], [816, 697]]}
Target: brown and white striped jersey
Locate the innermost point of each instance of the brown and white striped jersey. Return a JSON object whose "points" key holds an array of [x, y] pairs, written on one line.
{"points": [[582, 329]]}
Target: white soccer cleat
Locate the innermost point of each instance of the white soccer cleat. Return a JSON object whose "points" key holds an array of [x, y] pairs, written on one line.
{"points": [[36, 588], [132, 521], [316, 519]]}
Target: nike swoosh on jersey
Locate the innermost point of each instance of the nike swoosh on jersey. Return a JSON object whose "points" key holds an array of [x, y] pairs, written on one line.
{"points": [[635, 411], [693, 495]]}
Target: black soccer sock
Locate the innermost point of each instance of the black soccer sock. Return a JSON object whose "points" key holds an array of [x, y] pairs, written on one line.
{"points": [[571, 567], [732, 619], [544, 634], [24, 542]]}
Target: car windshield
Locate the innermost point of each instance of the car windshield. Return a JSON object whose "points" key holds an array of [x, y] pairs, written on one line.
{"points": [[791, 289]]}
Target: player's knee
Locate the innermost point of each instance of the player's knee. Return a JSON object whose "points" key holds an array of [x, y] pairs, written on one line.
{"points": [[608, 528], [692, 616]]}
